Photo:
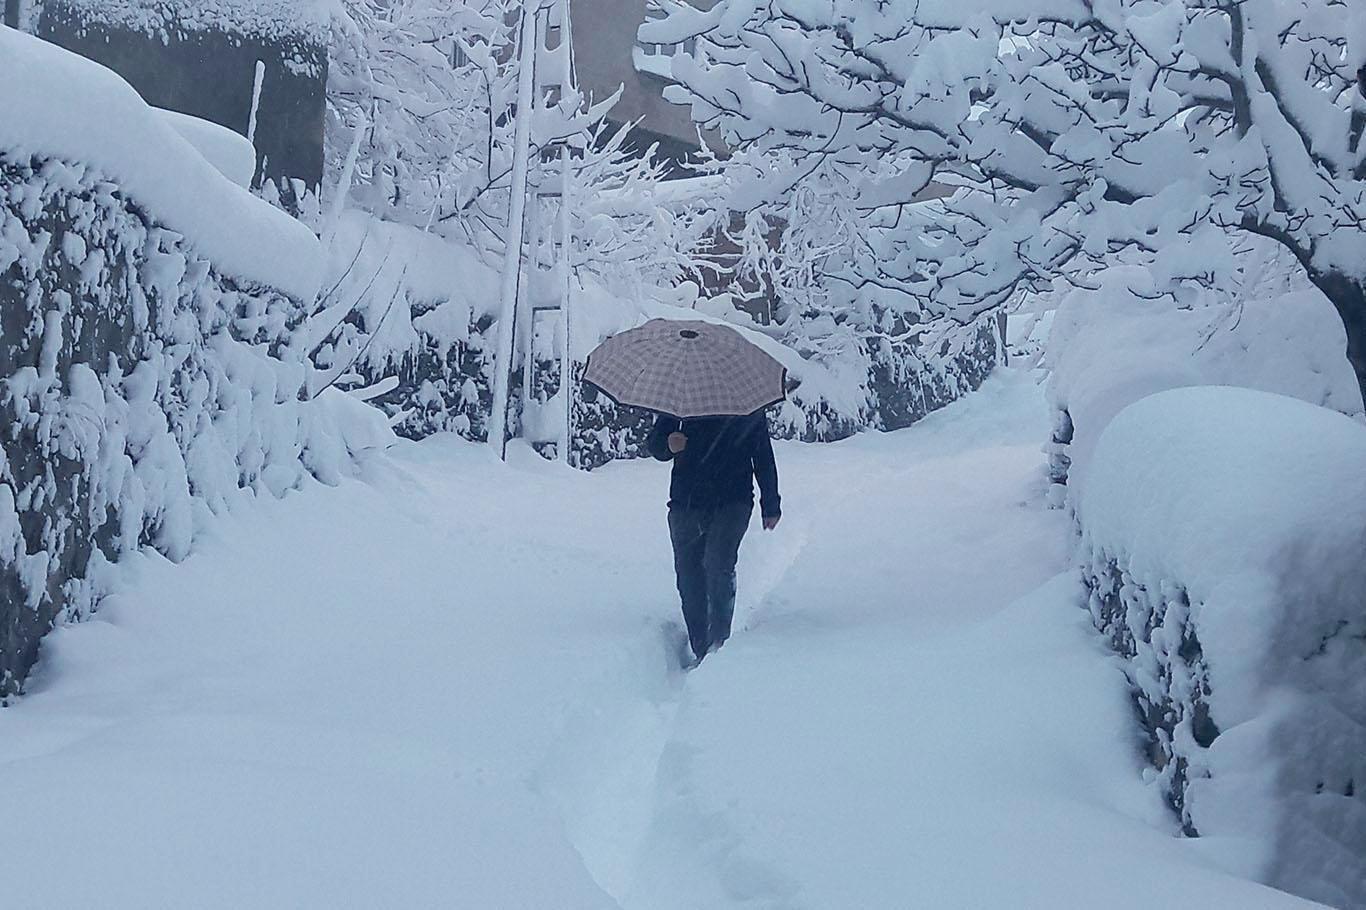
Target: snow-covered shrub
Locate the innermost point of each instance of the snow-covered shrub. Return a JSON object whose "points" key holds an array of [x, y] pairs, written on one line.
{"points": [[409, 316], [604, 431], [1112, 344], [886, 384], [1222, 536], [140, 391], [147, 371]]}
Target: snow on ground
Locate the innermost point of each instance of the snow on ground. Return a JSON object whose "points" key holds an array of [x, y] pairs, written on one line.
{"points": [[447, 684]]}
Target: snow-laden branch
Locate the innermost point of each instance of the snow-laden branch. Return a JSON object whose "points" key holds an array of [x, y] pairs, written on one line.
{"points": [[1072, 131]]}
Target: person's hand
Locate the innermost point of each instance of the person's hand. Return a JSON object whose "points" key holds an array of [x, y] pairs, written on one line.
{"points": [[771, 521], [677, 442]]}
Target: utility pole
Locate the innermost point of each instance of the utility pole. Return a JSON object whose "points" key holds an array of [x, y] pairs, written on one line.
{"points": [[546, 77], [562, 243], [566, 266], [528, 51]]}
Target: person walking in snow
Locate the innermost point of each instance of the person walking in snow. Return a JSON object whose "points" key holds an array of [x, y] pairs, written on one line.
{"points": [[716, 461]]}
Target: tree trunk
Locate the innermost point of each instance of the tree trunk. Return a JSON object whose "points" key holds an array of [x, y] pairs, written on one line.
{"points": [[1348, 295], [12, 13]]}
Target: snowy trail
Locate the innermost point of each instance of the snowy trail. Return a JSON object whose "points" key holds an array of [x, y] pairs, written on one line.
{"points": [[447, 686]]}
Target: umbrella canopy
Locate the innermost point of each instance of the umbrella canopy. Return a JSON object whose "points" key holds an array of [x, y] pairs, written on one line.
{"points": [[686, 369]]}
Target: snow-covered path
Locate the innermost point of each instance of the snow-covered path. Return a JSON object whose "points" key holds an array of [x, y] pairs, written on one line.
{"points": [[448, 686]]}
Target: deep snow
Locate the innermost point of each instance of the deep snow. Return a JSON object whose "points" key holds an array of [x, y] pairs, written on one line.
{"points": [[446, 685]]}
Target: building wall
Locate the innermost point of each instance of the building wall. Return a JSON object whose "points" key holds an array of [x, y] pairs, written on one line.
{"points": [[211, 74], [604, 39]]}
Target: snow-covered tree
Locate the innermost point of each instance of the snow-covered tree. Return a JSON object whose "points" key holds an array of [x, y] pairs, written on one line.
{"points": [[442, 120], [418, 93], [631, 226], [422, 97], [1076, 132]]}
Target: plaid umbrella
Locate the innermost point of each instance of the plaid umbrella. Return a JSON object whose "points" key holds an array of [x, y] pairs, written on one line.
{"points": [[686, 369]]}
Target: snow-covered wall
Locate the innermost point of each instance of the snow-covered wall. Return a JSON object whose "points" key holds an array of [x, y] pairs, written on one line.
{"points": [[56, 104], [1222, 536], [148, 371]]}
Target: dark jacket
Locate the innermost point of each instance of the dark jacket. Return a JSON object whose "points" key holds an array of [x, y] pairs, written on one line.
{"points": [[723, 458]]}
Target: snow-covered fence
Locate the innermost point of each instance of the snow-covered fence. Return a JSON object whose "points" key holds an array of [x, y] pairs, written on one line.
{"points": [[147, 374], [1223, 533]]}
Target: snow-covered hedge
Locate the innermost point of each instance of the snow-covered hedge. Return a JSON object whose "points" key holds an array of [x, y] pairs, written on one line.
{"points": [[872, 383], [147, 372], [56, 104], [1223, 533], [1114, 344]]}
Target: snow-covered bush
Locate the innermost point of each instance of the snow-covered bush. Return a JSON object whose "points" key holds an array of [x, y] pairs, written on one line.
{"points": [[1222, 539], [147, 372], [870, 383], [407, 317], [1123, 339]]}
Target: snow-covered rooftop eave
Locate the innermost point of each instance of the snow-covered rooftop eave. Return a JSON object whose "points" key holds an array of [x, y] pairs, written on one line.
{"points": [[56, 104]]}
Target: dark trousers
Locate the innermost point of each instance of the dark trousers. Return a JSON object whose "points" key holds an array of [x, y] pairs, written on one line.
{"points": [[706, 545]]}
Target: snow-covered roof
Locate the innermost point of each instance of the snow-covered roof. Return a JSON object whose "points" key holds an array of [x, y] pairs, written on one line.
{"points": [[271, 19], [55, 104]]}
